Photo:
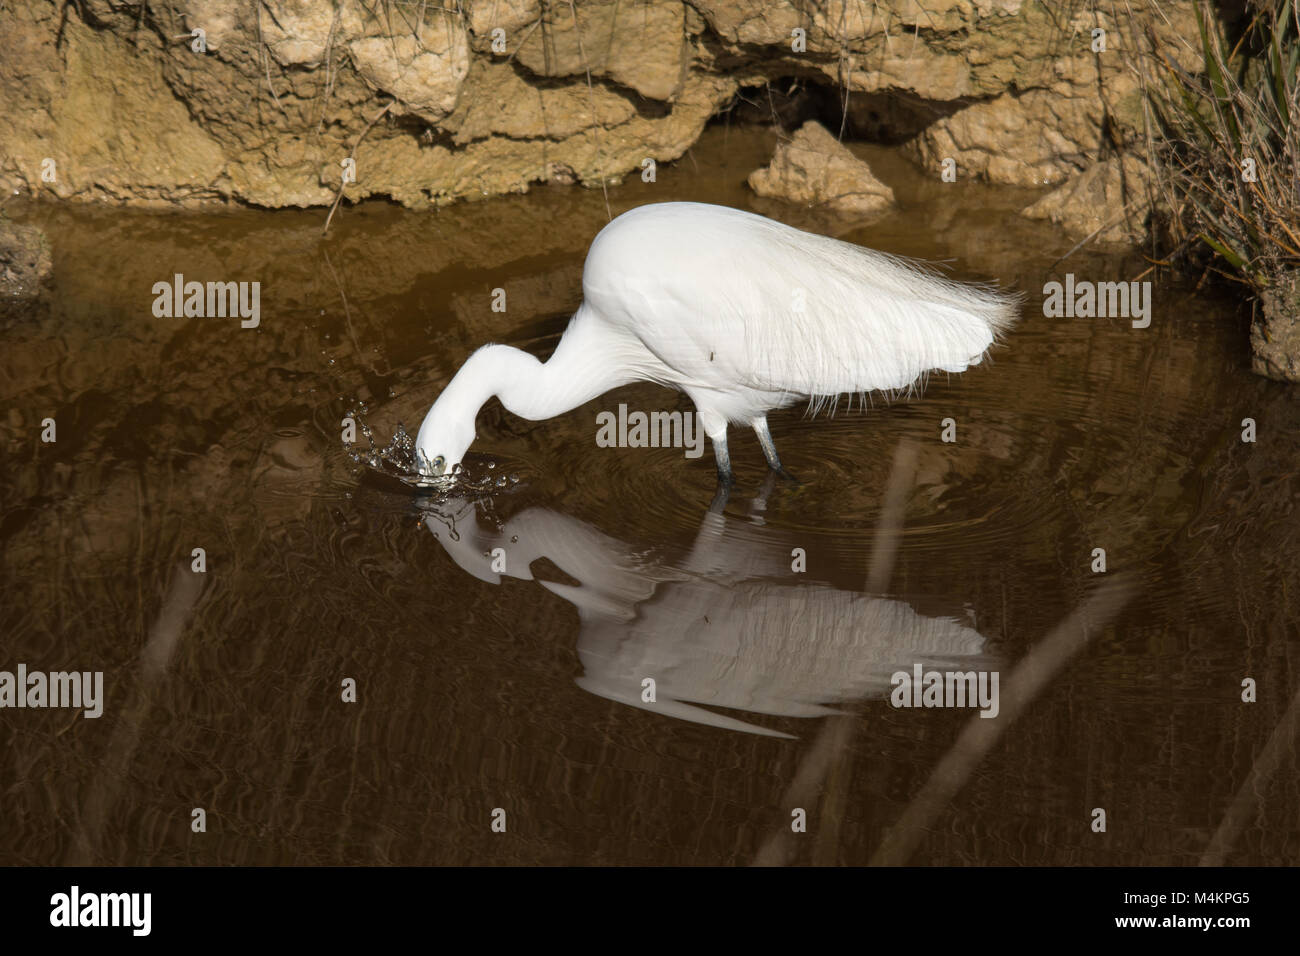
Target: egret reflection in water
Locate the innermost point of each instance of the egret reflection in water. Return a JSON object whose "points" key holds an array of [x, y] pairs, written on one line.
{"points": [[729, 625]]}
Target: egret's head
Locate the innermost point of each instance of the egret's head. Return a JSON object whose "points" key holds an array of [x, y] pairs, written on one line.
{"points": [[443, 439]]}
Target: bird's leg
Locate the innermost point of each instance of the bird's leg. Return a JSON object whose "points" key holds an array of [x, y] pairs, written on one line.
{"points": [[725, 477], [769, 448]]}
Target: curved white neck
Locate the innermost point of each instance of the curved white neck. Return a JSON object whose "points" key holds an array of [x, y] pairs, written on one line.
{"points": [[527, 387], [579, 371], [588, 362]]}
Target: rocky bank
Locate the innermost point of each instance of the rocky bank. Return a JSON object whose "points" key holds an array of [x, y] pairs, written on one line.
{"points": [[299, 103], [262, 102]]}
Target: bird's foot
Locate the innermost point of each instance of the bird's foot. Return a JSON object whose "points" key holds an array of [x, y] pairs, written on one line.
{"points": [[780, 470]]}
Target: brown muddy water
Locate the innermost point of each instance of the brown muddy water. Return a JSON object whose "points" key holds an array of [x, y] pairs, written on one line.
{"points": [[521, 691]]}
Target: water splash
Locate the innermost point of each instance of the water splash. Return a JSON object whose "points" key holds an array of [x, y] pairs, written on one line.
{"points": [[399, 459]]}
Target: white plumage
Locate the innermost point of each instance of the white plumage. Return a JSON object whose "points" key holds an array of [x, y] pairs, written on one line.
{"points": [[742, 313], [720, 627]]}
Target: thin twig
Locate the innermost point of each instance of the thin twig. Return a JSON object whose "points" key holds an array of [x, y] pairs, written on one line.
{"points": [[343, 182]]}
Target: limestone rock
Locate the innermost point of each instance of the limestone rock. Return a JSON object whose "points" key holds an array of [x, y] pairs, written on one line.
{"points": [[1108, 201], [114, 94], [1013, 140], [509, 15], [1057, 91], [25, 260], [815, 169], [396, 166], [108, 121], [298, 32], [220, 20], [755, 22], [635, 43], [423, 69], [1275, 331], [499, 102]]}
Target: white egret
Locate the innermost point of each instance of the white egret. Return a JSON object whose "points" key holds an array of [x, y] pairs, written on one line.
{"points": [[742, 313]]}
